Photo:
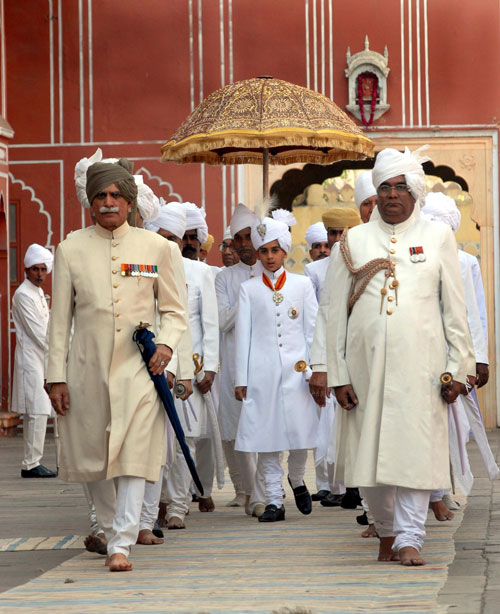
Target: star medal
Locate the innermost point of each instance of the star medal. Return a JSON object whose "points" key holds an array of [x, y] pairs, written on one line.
{"points": [[280, 282]]}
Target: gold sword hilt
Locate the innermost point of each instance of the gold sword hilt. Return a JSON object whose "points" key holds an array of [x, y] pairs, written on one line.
{"points": [[198, 363], [446, 378]]}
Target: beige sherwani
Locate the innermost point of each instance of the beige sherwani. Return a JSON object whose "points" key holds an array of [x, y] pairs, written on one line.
{"points": [[115, 425], [398, 433]]}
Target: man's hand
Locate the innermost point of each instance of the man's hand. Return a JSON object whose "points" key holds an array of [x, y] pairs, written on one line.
{"points": [[189, 388], [482, 374], [240, 393], [206, 383], [170, 379], [318, 388], [160, 359], [346, 397], [59, 397]]}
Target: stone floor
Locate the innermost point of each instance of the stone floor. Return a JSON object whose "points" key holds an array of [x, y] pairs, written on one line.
{"points": [[227, 562]]}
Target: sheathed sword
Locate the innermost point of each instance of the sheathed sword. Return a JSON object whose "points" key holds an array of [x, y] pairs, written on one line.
{"points": [[144, 340], [213, 421]]}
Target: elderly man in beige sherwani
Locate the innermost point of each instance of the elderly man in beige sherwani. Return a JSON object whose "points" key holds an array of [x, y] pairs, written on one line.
{"points": [[107, 279], [396, 323]]}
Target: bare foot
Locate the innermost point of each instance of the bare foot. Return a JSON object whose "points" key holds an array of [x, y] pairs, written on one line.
{"points": [[162, 513], [96, 543], [118, 562], [206, 504], [385, 551], [371, 531], [174, 522], [410, 557], [148, 538], [441, 512]]}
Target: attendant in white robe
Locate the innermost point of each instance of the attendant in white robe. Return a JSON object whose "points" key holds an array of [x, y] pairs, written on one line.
{"points": [[241, 465], [30, 314], [274, 328], [385, 360], [334, 221]]}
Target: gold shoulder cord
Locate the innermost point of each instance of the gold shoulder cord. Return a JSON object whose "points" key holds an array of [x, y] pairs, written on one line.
{"points": [[365, 273]]}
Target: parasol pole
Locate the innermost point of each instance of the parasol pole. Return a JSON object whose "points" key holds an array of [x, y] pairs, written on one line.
{"points": [[265, 173]]}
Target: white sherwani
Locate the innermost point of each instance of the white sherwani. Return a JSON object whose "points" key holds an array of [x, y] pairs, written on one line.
{"points": [[279, 412], [30, 314], [479, 290], [316, 271], [204, 325], [115, 425], [227, 287], [398, 433]]}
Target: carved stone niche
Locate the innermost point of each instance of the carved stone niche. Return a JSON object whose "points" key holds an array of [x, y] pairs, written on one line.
{"points": [[376, 64]]}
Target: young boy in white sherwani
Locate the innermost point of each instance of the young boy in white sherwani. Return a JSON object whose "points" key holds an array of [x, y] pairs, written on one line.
{"points": [[274, 330]]}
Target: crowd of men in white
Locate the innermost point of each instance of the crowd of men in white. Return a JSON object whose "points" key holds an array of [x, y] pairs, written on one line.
{"points": [[357, 360]]}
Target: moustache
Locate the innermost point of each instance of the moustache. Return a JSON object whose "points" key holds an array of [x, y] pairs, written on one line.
{"points": [[109, 209]]}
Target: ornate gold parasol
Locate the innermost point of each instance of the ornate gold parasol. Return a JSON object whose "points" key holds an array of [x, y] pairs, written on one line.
{"points": [[266, 120]]}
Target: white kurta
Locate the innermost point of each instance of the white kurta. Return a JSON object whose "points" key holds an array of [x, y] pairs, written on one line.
{"points": [[115, 425], [316, 271], [204, 325], [479, 290], [476, 330], [227, 287], [30, 314], [279, 412], [398, 433]]}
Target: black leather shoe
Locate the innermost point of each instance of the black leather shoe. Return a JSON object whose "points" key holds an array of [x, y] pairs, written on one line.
{"points": [[332, 500], [302, 498], [272, 514], [320, 495], [157, 532], [38, 472], [363, 519], [351, 499]]}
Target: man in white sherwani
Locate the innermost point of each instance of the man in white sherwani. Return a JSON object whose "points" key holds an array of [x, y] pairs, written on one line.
{"points": [[109, 278], [334, 222], [241, 465], [274, 330], [30, 314], [203, 321], [396, 323]]}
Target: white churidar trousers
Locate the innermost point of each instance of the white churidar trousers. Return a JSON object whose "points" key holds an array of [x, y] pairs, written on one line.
{"points": [[149, 511], [242, 466], [270, 466], [399, 512], [205, 464], [175, 491], [118, 505], [437, 495], [34, 428]]}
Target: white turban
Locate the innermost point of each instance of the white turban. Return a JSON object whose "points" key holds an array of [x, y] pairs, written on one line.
{"points": [[81, 177], [391, 163], [171, 217], [364, 188], [275, 230], [316, 234], [227, 234], [36, 254], [147, 201], [285, 216], [243, 217], [442, 208], [195, 220]]}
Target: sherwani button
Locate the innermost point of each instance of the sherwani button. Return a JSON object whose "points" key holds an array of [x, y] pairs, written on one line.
{"points": [[394, 240], [393, 251], [389, 312], [117, 315], [114, 257], [114, 272], [115, 285], [390, 298], [116, 300], [118, 330]]}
